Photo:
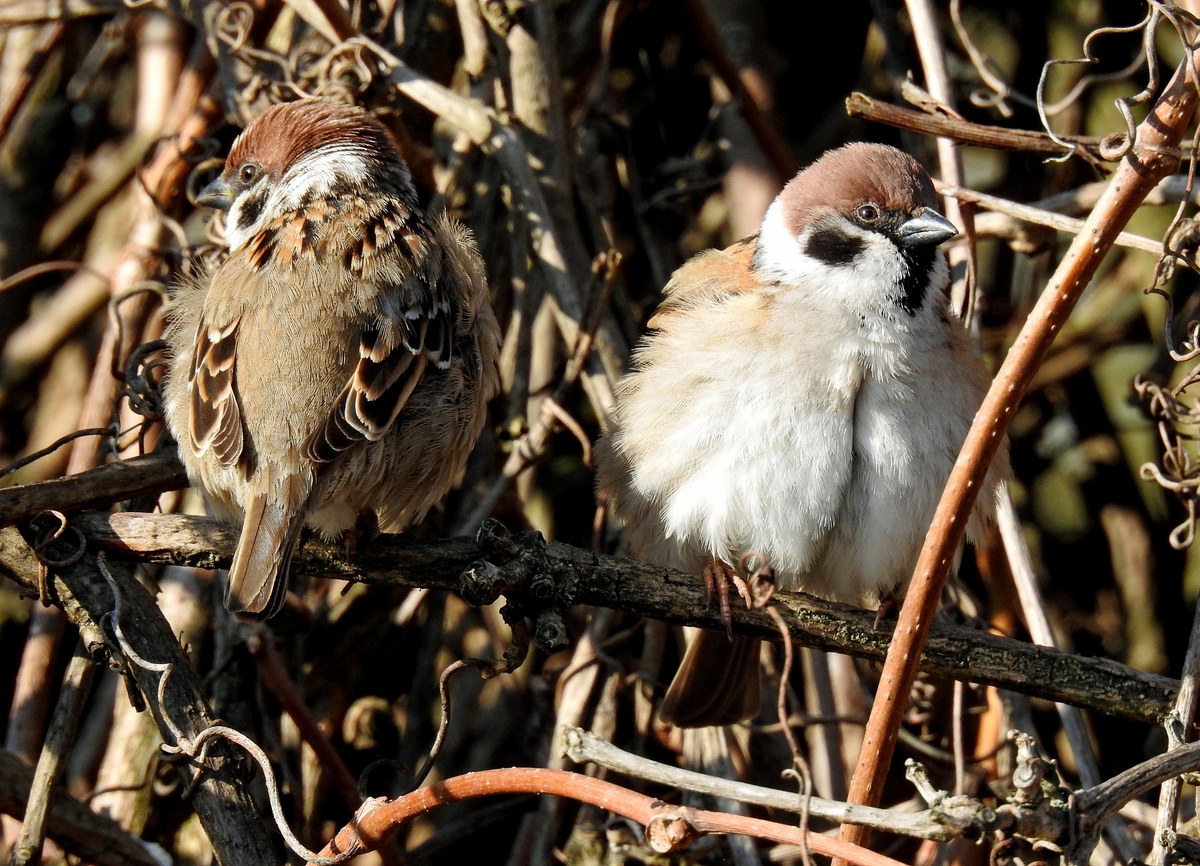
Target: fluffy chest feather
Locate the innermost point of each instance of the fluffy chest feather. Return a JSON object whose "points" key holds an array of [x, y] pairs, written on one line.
{"points": [[798, 433]]}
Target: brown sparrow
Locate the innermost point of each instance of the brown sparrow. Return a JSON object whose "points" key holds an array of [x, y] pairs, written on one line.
{"points": [[339, 362], [801, 395]]}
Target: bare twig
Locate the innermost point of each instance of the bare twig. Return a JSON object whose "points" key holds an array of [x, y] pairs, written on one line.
{"points": [[275, 677], [765, 132], [47, 40], [73, 826], [1096, 805], [668, 828], [997, 137], [930, 46], [585, 747], [1039, 216], [1146, 164], [76, 687], [114, 482], [1033, 607]]}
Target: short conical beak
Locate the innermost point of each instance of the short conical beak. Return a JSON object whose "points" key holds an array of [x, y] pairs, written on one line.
{"points": [[218, 194], [927, 228]]}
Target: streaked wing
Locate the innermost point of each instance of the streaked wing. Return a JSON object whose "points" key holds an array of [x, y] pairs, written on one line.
{"points": [[216, 415], [394, 355]]}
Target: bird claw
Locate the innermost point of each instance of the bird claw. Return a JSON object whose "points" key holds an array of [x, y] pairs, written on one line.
{"points": [[888, 605], [719, 576], [366, 526]]}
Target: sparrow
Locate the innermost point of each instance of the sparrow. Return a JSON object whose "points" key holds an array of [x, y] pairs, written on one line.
{"points": [[338, 363], [800, 396]]}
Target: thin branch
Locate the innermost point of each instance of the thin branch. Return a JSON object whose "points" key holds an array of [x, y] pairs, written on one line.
{"points": [[77, 684], [94, 838], [584, 747], [668, 828], [1143, 167], [1038, 216], [1096, 805], [964, 131], [95, 488]]}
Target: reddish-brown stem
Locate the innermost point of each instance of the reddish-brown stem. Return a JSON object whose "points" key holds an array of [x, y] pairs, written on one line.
{"points": [[1152, 158], [963, 131], [669, 828], [275, 677]]}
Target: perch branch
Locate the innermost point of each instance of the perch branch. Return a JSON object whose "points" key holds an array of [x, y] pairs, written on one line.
{"points": [[1099, 684]]}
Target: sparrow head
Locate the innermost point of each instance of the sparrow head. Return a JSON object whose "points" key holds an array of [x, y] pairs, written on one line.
{"points": [[297, 152], [860, 221]]}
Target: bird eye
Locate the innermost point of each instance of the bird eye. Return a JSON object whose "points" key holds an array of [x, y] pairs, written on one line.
{"points": [[247, 172], [868, 212]]}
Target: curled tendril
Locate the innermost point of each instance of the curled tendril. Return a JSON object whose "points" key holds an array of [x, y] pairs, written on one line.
{"points": [[232, 25], [998, 92], [1148, 56], [196, 748], [760, 577], [1177, 418], [117, 323], [56, 532], [143, 380]]}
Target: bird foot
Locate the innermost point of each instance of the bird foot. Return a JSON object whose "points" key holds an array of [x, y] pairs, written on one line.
{"points": [[719, 576], [888, 605], [366, 526]]}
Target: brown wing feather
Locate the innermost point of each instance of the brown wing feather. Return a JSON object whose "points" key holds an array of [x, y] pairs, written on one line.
{"points": [[394, 355], [707, 279], [216, 415]]}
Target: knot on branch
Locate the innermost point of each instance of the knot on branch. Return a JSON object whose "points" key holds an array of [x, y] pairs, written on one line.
{"points": [[1181, 850], [672, 829], [536, 589], [1037, 809]]}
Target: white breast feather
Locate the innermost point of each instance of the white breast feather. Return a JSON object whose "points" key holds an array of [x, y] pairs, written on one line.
{"points": [[827, 481]]}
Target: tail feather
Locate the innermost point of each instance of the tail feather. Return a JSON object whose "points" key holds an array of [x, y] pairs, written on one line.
{"points": [[258, 577], [717, 682]]}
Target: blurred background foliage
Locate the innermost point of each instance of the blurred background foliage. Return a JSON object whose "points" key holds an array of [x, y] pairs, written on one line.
{"points": [[643, 150]]}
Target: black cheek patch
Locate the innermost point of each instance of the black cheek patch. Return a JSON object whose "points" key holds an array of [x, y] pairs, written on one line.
{"points": [[252, 209], [833, 246], [918, 263]]}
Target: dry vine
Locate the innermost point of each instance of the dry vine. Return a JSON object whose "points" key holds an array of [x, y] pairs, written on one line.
{"points": [[592, 147]]}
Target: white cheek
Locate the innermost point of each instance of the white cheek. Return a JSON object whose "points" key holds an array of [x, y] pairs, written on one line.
{"points": [[779, 252], [235, 236], [316, 175], [865, 285]]}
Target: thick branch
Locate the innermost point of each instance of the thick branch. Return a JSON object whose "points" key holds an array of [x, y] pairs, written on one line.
{"points": [[96, 488], [222, 801], [1099, 684]]}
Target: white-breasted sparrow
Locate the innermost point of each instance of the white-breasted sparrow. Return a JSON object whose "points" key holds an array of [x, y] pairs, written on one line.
{"points": [[340, 360], [801, 395]]}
